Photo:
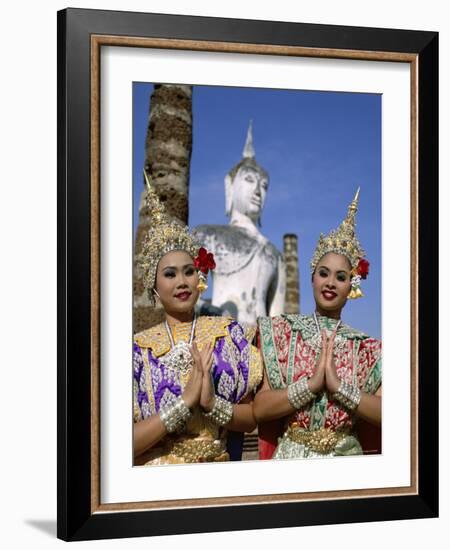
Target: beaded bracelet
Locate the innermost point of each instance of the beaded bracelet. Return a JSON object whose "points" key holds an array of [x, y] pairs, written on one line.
{"points": [[174, 415], [348, 395], [299, 393], [222, 411]]}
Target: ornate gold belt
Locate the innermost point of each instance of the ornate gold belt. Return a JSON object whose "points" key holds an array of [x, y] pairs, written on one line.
{"points": [[321, 441]]}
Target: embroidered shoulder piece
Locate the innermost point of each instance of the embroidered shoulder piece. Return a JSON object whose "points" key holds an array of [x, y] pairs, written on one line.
{"points": [[373, 381], [269, 351], [369, 361], [207, 329], [155, 338], [307, 327], [249, 331], [255, 368]]}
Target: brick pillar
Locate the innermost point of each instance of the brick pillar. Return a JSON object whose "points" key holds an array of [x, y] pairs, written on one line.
{"points": [[292, 300]]}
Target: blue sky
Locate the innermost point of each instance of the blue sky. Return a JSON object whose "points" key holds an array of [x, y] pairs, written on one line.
{"points": [[317, 147]]}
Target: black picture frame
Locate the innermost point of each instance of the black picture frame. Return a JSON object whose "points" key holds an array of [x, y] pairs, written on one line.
{"points": [[78, 319]]}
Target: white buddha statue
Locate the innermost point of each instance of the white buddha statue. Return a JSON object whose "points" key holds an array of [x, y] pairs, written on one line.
{"points": [[250, 276]]}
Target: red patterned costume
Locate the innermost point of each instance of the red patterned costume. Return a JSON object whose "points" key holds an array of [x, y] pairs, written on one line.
{"points": [[290, 346]]}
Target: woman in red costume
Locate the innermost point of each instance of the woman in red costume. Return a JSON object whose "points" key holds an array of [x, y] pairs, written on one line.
{"points": [[322, 378]]}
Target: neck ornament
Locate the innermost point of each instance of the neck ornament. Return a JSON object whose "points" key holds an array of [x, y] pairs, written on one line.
{"points": [[179, 358], [316, 340]]}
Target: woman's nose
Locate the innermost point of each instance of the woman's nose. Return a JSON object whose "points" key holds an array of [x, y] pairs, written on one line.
{"points": [[182, 280]]}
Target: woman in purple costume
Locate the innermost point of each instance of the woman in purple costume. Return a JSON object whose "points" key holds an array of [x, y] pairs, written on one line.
{"points": [[193, 377]]}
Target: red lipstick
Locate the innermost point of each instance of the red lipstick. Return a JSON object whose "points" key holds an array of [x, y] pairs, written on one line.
{"points": [[329, 295], [183, 296]]}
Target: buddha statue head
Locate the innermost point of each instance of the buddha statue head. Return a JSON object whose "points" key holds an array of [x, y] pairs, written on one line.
{"points": [[246, 185]]}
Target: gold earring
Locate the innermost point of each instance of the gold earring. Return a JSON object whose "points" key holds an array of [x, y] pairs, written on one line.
{"points": [[202, 284]]}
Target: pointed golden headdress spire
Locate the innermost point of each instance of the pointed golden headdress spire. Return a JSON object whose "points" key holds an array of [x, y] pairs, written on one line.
{"points": [[157, 211], [350, 221], [164, 235]]}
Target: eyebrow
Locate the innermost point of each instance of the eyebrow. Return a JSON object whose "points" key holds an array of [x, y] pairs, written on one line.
{"points": [[328, 269], [175, 267]]}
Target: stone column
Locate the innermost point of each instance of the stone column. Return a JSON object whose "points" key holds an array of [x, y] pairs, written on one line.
{"points": [[292, 301], [168, 148]]}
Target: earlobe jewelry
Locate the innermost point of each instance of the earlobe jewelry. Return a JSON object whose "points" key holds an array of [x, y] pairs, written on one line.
{"points": [[204, 262], [202, 284]]}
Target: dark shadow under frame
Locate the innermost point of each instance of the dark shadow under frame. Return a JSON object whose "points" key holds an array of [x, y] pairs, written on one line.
{"points": [[81, 33]]}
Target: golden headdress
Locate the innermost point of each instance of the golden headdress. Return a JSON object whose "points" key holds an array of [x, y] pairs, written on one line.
{"points": [[165, 235], [343, 241]]}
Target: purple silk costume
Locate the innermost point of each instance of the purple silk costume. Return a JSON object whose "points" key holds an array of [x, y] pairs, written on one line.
{"points": [[236, 371]]}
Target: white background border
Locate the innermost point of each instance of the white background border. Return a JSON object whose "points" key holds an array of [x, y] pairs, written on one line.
{"points": [[121, 66], [28, 227]]}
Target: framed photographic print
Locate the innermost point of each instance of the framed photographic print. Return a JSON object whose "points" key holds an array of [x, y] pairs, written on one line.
{"points": [[315, 111]]}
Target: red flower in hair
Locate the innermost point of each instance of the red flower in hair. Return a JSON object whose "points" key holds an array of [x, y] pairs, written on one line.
{"points": [[204, 261], [363, 268]]}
